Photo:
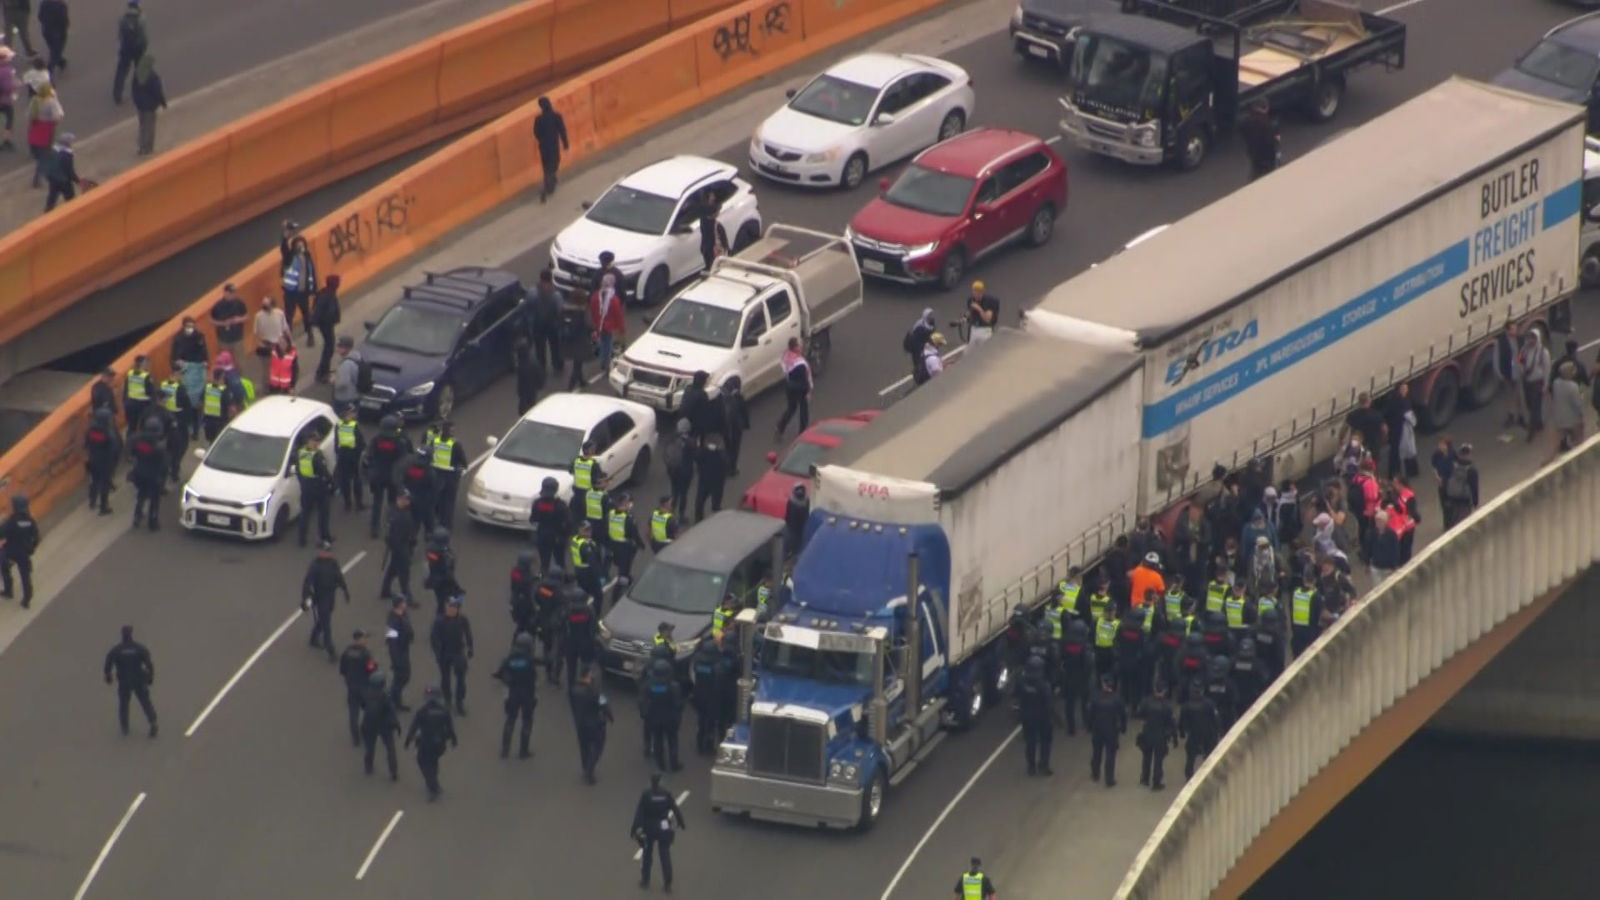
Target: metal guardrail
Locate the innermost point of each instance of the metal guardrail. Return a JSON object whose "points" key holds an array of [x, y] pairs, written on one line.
{"points": [[1513, 550]]}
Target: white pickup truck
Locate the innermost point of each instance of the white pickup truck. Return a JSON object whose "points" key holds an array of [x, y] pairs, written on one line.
{"points": [[739, 317]]}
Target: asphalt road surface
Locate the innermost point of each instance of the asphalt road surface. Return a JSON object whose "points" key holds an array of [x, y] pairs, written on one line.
{"points": [[266, 798]]}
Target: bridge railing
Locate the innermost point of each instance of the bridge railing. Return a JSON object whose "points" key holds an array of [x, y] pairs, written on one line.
{"points": [[1516, 548]]}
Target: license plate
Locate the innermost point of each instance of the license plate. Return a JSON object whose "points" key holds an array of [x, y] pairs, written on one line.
{"points": [[871, 265], [631, 665], [1038, 51], [220, 521], [499, 516], [775, 169], [372, 404]]}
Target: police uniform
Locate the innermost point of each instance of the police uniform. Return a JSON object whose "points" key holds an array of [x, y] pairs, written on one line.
{"points": [[383, 455], [348, 446], [448, 461], [137, 392], [622, 538], [431, 729], [591, 714], [148, 476], [135, 673], [315, 482], [214, 406], [518, 673], [584, 556], [173, 402], [663, 529]]}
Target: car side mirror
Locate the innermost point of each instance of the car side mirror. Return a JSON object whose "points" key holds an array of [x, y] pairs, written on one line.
{"points": [[492, 441], [983, 209], [772, 457], [200, 453], [884, 118], [750, 340], [369, 325], [683, 228], [586, 204], [790, 93]]}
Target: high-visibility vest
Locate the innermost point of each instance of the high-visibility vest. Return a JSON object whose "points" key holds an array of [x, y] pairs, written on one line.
{"points": [[1097, 604], [211, 401], [138, 385], [763, 594], [280, 371], [617, 528], [659, 523], [1052, 616], [444, 453], [1175, 604], [308, 463], [661, 641], [345, 435], [1234, 607], [1105, 633], [169, 394], [972, 886], [429, 436], [1149, 618], [720, 617], [594, 504], [1264, 603], [249, 390], [583, 473], [578, 543], [1216, 593], [1300, 607], [1069, 597]]}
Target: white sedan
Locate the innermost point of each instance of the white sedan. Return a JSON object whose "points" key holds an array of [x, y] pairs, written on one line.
{"points": [[546, 440], [650, 221], [863, 114], [246, 485]]}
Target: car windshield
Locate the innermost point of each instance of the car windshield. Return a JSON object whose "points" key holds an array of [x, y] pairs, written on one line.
{"points": [[836, 100], [416, 330], [1554, 61], [541, 444], [675, 588], [804, 454], [691, 320], [928, 191], [1116, 74], [633, 210], [831, 666], [246, 453]]}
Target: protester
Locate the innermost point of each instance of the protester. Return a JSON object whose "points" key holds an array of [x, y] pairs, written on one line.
{"points": [[149, 96], [44, 117]]}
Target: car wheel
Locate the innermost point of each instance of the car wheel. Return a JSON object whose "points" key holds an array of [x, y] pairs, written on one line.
{"points": [[855, 172], [444, 402], [1195, 148], [954, 121], [872, 800], [1042, 226], [655, 287], [641, 468], [953, 269], [280, 522], [749, 233]]}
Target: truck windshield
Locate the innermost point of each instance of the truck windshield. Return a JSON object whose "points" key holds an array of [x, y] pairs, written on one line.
{"points": [[831, 666], [701, 323], [1555, 62], [1117, 74]]}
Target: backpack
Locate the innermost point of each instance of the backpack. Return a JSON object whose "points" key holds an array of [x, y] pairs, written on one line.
{"points": [[673, 455], [363, 377], [1458, 488], [913, 341], [130, 32]]}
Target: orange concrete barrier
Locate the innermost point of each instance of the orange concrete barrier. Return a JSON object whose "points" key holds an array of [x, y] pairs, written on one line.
{"points": [[493, 164]]}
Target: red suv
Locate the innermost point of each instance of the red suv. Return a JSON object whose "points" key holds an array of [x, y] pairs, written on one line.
{"points": [[958, 201]]}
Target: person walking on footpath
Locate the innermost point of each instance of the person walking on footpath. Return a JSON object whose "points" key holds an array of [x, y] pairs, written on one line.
{"points": [[54, 21], [149, 97], [974, 885], [1461, 488], [431, 729], [61, 172], [17, 15], [550, 131], [653, 820], [44, 117], [135, 674], [19, 540], [133, 40], [228, 317], [10, 90], [299, 281], [325, 317]]}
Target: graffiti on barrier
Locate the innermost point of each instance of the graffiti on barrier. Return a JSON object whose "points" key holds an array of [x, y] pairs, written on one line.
{"points": [[742, 36], [363, 230]]}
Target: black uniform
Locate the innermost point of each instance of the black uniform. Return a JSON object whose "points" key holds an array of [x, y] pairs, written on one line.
{"points": [[452, 647], [1107, 719], [580, 636], [623, 551], [135, 673], [1158, 733], [586, 569], [399, 636], [652, 828], [552, 526], [735, 420], [728, 672], [349, 445], [415, 474], [379, 721], [678, 460], [441, 574], [1219, 687], [383, 455], [1199, 726], [319, 589], [518, 673], [711, 471], [524, 614], [431, 729], [446, 479], [19, 540], [1077, 664], [703, 667], [102, 447], [314, 493], [548, 609], [591, 714], [398, 543], [148, 475], [1035, 702], [663, 714], [355, 664]]}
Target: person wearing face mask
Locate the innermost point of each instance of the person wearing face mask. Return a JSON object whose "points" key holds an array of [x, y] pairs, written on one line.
{"points": [[605, 318], [270, 327]]}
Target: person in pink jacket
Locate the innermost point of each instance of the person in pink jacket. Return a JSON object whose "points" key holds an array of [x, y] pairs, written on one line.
{"points": [[605, 316]]}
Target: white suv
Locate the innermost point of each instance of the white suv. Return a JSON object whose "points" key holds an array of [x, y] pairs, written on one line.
{"points": [[246, 484], [650, 221]]}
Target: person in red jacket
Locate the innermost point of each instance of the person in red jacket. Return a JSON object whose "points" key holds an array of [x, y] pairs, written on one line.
{"points": [[605, 316]]}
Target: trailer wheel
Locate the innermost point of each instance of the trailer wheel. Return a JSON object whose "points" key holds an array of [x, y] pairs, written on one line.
{"points": [[1194, 150], [872, 801], [1326, 98], [818, 350], [1484, 382], [1440, 406], [1589, 269]]}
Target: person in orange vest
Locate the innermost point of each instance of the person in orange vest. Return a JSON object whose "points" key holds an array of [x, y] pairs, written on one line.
{"points": [[1144, 578], [1409, 515], [283, 368]]}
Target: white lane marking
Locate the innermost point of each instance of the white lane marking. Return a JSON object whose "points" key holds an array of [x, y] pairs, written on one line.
{"points": [[905, 866], [373, 853], [1397, 7], [271, 639], [639, 853], [106, 850], [904, 379]]}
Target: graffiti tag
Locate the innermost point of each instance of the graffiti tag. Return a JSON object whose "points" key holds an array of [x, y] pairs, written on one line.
{"points": [[362, 231], [741, 36]]}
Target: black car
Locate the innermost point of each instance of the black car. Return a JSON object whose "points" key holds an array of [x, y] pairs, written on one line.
{"points": [[1563, 65], [447, 338], [1042, 29]]}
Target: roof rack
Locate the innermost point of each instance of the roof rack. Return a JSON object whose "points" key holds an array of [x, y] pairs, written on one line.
{"points": [[441, 277]]}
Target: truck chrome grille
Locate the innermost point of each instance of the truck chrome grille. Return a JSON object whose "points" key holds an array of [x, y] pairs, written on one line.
{"points": [[786, 748]]}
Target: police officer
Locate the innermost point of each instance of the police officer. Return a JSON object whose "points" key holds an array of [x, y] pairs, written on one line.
{"points": [[1247, 681], [548, 606], [136, 672], [1105, 641], [663, 524], [349, 445], [1305, 612], [1158, 733], [703, 671], [138, 390], [722, 618], [383, 456], [1035, 702], [1092, 605], [585, 558], [586, 477], [1199, 726], [1174, 629], [173, 431], [1019, 638], [355, 664], [591, 714], [662, 645], [728, 669], [1270, 644], [1063, 604], [623, 542], [663, 714], [398, 543], [1219, 687], [524, 614], [518, 673], [399, 634], [102, 447], [1191, 663], [652, 828], [149, 474], [552, 523], [431, 729], [379, 721], [217, 404], [1218, 590], [449, 461], [974, 885], [318, 590], [1218, 638], [19, 540], [580, 634], [1107, 718], [414, 475], [451, 639], [441, 577], [1077, 671], [1133, 644], [316, 484]]}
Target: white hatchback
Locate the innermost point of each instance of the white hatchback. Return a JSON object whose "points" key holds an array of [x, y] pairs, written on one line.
{"points": [[246, 484], [650, 221], [860, 115], [546, 440]]}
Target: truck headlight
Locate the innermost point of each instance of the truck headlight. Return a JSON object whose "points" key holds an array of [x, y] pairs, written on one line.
{"points": [[730, 755], [421, 390], [843, 771], [917, 250], [1146, 134]]}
